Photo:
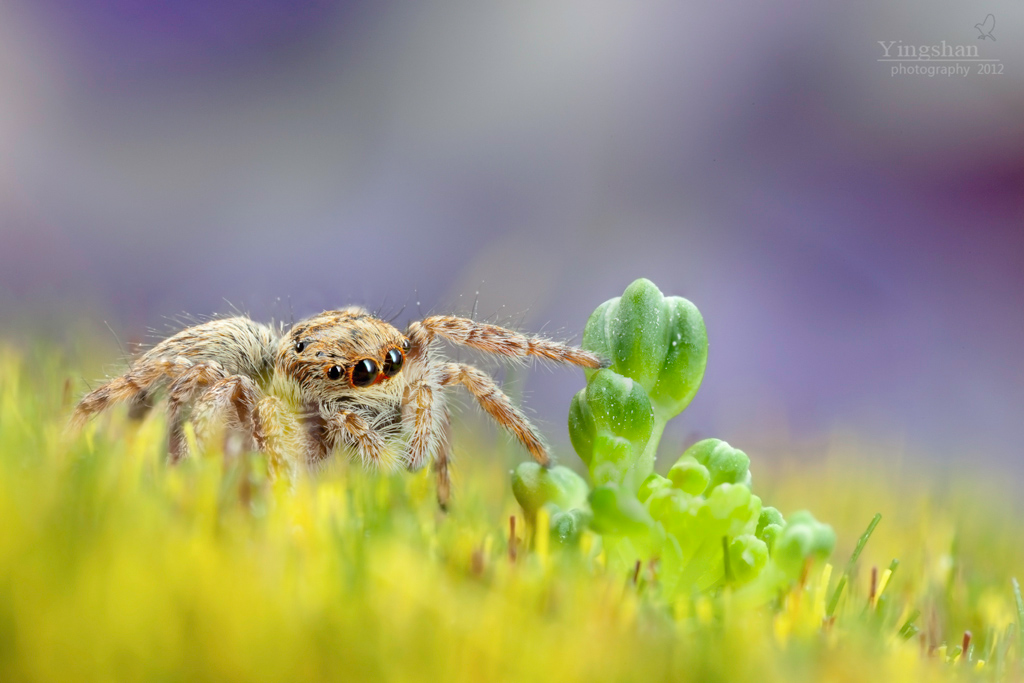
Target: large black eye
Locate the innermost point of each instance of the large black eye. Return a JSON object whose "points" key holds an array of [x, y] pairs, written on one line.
{"points": [[393, 362], [334, 372], [299, 346], [364, 373]]}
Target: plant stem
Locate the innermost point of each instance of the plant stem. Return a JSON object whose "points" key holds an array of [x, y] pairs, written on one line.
{"points": [[645, 465]]}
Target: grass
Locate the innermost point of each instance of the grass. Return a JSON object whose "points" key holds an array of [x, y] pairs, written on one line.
{"points": [[114, 566]]}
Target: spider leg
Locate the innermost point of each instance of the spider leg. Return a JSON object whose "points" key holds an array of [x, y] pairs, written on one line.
{"points": [[348, 427], [277, 433], [498, 340], [135, 386], [496, 404], [140, 405], [238, 345], [182, 392], [237, 404], [421, 410], [430, 438], [441, 461]]}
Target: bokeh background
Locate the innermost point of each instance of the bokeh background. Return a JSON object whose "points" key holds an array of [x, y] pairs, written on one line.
{"points": [[854, 240]]}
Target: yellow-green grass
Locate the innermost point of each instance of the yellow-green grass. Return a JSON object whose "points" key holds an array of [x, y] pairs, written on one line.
{"points": [[115, 566]]}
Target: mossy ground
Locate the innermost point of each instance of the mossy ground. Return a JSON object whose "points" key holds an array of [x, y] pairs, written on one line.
{"points": [[114, 566]]}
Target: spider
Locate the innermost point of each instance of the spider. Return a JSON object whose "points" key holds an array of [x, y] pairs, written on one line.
{"points": [[341, 379]]}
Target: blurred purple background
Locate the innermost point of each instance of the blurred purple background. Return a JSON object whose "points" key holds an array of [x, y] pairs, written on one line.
{"points": [[854, 240]]}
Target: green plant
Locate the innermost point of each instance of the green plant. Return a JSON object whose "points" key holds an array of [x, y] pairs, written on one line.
{"points": [[701, 525], [116, 566], [658, 342], [610, 423], [559, 491]]}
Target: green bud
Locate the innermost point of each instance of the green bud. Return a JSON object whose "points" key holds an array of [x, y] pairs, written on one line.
{"points": [[668, 505], [801, 539], [535, 486], [610, 422], [770, 534], [725, 464], [747, 557], [659, 341], [689, 476], [769, 515], [769, 526], [567, 526], [735, 504], [652, 484]]}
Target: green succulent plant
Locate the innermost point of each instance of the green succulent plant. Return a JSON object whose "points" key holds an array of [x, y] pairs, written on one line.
{"points": [[702, 522], [657, 341]]}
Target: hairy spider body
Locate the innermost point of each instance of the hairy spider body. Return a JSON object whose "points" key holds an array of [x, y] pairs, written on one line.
{"points": [[341, 379]]}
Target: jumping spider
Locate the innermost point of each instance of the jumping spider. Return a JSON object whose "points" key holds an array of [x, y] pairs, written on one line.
{"points": [[339, 379]]}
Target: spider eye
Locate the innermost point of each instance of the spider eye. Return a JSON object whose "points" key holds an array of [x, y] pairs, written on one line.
{"points": [[334, 372], [364, 373], [393, 362], [406, 345], [299, 346]]}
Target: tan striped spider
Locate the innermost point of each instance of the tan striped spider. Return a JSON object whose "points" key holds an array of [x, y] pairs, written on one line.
{"points": [[341, 379]]}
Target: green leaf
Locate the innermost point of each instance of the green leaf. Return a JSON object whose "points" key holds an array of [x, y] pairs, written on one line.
{"points": [[619, 513]]}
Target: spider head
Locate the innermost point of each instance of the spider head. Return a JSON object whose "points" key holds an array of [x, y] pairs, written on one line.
{"points": [[345, 356]]}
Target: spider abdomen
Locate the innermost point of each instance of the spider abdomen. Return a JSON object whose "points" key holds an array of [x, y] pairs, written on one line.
{"points": [[240, 346]]}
